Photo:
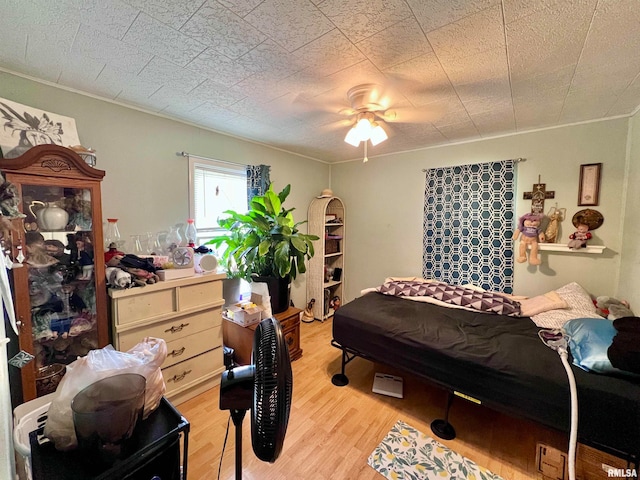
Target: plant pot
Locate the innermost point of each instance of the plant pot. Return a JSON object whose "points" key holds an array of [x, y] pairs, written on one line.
{"points": [[279, 291]]}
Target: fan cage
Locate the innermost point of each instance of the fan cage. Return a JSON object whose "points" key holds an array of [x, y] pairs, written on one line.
{"points": [[272, 390]]}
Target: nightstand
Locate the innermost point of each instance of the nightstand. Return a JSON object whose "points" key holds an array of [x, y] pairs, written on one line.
{"points": [[241, 338]]}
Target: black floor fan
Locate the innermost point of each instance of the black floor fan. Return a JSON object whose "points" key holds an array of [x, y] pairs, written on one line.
{"points": [[265, 387]]}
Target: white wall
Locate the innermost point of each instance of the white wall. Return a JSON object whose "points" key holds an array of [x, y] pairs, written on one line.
{"points": [[146, 184], [630, 257], [384, 202]]}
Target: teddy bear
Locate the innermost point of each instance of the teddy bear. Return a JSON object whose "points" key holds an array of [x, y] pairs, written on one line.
{"points": [[613, 308], [529, 233], [579, 238]]}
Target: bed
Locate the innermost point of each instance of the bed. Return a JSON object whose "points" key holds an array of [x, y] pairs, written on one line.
{"points": [[496, 359]]}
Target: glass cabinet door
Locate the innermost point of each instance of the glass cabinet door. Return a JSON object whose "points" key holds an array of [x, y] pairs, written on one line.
{"points": [[58, 274], [59, 258]]}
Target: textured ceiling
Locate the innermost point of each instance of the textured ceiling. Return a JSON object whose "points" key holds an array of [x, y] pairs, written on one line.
{"points": [[277, 71]]}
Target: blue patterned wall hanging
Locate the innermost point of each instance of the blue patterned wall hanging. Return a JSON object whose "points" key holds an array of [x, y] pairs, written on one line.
{"points": [[468, 224], [257, 180]]}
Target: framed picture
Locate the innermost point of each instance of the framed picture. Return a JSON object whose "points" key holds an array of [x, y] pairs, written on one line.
{"points": [[23, 127], [589, 191]]}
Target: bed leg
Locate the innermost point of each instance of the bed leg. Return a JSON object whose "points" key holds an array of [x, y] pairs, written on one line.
{"points": [[340, 379], [441, 427]]}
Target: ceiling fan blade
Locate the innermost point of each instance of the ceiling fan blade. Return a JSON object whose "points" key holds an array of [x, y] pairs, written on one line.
{"points": [[401, 83], [424, 114], [304, 103], [342, 124], [388, 128]]}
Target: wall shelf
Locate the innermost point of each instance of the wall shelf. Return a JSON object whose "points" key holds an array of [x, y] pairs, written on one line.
{"points": [[561, 247]]}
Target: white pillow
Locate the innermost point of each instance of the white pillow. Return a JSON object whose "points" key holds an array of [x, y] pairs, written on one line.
{"points": [[580, 306], [542, 303]]}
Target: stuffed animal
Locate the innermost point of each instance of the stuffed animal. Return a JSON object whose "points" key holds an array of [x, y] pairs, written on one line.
{"points": [[335, 302], [579, 238], [613, 308], [529, 233], [118, 278], [141, 277]]}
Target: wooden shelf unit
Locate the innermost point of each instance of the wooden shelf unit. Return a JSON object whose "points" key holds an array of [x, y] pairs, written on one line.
{"points": [[326, 217]]}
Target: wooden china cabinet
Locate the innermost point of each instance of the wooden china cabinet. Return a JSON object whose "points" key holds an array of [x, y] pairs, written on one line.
{"points": [[59, 286]]}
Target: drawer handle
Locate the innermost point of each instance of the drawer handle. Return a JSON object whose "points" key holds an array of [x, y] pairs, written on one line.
{"points": [[178, 378], [289, 341], [177, 329], [177, 353]]}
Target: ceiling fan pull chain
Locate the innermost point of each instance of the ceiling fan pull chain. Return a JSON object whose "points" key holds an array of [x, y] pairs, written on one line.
{"points": [[365, 159]]}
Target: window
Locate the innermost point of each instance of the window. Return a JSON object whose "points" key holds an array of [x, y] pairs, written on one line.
{"points": [[213, 188]]}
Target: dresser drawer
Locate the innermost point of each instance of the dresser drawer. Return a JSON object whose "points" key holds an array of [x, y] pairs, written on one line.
{"points": [[292, 339], [183, 374], [173, 329], [192, 296], [290, 322], [191, 346], [144, 306]]}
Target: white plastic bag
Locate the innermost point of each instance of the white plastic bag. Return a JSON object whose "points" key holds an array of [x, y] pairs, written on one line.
{"points": [[262, 289], [145, 359]]}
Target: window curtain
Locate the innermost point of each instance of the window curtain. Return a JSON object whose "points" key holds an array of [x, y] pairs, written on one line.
{"points": [[468, 224], [258, 180]]}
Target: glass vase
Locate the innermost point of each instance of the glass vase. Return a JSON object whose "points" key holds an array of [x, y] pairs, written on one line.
{"points": [[191, 233], [173, 239], [112, 234], [136, 245]]}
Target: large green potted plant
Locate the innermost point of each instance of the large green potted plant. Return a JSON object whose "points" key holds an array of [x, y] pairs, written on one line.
{"points": [[265, 245]]}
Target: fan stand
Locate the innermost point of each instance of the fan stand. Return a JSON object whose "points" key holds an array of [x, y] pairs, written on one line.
{"points": [[264, 387], [236, 395], [238, 417]]}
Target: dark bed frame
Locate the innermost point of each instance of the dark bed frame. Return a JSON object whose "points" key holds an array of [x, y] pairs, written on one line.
{"points": [[442, 427]]}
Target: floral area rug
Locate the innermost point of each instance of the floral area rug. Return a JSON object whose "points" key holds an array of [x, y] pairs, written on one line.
{"points": [[408, 454]]}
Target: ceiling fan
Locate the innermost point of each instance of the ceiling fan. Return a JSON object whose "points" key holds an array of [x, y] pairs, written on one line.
{"points": [[372, 109]]}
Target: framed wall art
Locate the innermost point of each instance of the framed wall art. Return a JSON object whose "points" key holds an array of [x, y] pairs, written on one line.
{"points": [[23, 127], [589, 188]]}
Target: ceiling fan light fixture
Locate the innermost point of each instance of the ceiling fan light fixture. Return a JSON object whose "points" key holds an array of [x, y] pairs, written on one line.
{"points": [[378, 135], [364, 128], [352, 138]]}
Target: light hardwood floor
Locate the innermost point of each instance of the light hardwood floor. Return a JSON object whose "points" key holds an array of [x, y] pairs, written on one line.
{"points": [[333, 430]]}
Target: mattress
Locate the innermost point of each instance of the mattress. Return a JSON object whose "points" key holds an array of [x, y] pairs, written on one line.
{"points": [[496, 359]]}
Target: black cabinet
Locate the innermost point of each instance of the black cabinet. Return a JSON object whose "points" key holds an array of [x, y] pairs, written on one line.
{"points": [[153, 453]]}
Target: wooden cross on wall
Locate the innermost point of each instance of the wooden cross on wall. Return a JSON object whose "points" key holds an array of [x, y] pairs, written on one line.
{"points": [[537, 196]]}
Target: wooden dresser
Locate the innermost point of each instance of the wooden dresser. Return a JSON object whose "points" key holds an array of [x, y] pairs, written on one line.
{"points": [[187, 314], [241, 338]]}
